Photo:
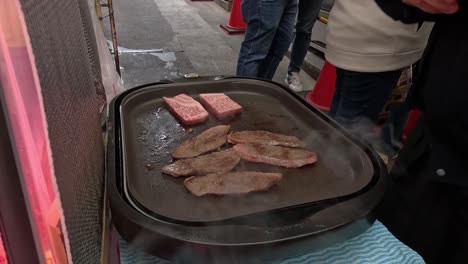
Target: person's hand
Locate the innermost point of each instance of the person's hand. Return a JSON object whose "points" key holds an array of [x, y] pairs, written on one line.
{"points": [[435, 6]]}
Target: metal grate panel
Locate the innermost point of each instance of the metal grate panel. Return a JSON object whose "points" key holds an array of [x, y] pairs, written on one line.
{"points": [[66, 58]]}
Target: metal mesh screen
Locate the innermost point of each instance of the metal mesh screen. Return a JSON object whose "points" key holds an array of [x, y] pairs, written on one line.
{"points": [[92, 49], [66, 58]]}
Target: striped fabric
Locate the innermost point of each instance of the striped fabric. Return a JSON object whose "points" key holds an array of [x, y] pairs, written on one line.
{"points": [[129, 255], [376, 246]]}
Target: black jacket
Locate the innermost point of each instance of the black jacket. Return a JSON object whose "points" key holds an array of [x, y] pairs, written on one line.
{"points": [[441, 90]]}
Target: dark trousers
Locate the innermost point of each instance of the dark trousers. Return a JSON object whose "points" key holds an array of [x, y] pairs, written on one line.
{"points": [[270, 25], [429, 216], [392, 132], [306, 17], [359, 98]]}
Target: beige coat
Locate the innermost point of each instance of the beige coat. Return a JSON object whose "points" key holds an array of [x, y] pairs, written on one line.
{"points": [[361, 37]]}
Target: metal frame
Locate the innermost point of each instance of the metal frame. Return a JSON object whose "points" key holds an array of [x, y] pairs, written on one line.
{"points": [[110, 7]]}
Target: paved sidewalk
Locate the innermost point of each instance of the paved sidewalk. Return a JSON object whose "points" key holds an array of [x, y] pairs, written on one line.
{"points": [[163, 39]]}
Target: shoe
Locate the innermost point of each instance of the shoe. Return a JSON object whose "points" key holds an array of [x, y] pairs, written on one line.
{"points": [[293, 81]]}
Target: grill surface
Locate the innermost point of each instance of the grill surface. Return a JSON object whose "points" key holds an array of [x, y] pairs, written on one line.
{"points": [[150, 132]]}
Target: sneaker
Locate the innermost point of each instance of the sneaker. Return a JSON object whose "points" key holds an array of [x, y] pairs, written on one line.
{"points": [[293, 81]]}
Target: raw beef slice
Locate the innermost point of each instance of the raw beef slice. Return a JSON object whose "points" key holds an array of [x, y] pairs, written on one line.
{"points": [[275, 155], [234, 183], [265, 137], [220, 105], [221, 161], [189, 111], [209, 140]]}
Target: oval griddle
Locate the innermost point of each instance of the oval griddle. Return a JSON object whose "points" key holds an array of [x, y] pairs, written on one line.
{"points": [[150, 132]]}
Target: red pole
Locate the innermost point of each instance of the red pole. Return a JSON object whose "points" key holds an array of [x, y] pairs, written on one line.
{"points": [[236, 24]]}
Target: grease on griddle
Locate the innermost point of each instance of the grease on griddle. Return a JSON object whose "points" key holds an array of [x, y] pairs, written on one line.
{"points": [[157, 113], [149, 167]]}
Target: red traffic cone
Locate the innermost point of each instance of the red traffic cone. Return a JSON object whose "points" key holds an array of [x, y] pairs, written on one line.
{"points": [[236, 24], [322, 94]]}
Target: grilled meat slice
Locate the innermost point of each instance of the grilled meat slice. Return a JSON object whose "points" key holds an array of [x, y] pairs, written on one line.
{"points": [[217, 162], [234, 183], [265, 137], [209, 140], [276, 155]]}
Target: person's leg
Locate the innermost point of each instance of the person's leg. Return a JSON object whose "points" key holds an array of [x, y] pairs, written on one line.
{"points": [[281, 41], [392, 132], [262, 18], [362, 98], [337, 94], [306, 17]]}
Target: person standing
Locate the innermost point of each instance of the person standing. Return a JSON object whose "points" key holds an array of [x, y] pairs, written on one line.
{"points": [[306, 17], [369, 50], [270, 25], [426, 206]]}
